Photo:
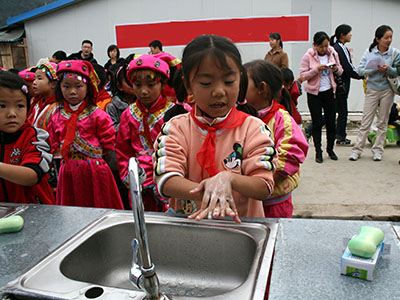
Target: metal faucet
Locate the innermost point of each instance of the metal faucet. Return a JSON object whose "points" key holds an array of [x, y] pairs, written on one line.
{"points": [[143, 271]]}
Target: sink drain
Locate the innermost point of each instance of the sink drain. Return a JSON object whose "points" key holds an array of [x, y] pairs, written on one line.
{"points": [[94, 292]]}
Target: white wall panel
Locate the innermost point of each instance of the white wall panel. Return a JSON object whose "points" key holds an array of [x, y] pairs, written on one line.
{"points": [[95, 20]]}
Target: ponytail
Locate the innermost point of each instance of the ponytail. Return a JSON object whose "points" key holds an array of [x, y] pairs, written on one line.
{"points": [[342, 29], [332, 40], [285, 100], [373, 44], [241, 102], [181, 95]]}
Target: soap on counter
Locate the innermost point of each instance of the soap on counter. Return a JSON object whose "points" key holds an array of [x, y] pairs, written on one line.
{"points": [[11, 224], [364, 244]]}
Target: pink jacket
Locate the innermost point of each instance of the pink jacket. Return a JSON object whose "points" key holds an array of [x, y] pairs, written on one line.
{"points": [[132, 143], [309, 69], [95, 133], [241, 150], [292, 149]]}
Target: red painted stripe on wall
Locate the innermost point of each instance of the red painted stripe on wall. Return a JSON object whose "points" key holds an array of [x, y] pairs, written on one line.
{"points": [[245, 30]]}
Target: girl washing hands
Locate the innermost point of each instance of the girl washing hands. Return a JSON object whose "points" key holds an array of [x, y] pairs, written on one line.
{"points": [[217, 160]]}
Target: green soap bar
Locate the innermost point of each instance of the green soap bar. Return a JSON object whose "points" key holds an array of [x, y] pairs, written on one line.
{"points": [[364, 244], [11, 224]]}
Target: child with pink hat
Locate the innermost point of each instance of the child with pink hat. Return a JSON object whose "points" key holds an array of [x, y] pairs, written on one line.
{"points": [[82, 134], [28, 78], [141, 122], [44, 102]]}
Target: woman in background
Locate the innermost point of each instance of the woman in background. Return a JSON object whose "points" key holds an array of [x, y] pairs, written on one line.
{"points": [[276, 55]]}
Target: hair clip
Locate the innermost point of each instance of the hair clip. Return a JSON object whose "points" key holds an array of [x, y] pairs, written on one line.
{"points": [[24, 88]]}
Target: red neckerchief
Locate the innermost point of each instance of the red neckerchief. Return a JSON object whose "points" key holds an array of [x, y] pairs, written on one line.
{"points": [[70, 127], [156, 106], [271, 112], [206, 154]]}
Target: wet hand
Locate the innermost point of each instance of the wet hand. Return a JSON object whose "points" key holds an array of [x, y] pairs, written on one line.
{"points": [[217, 198]]}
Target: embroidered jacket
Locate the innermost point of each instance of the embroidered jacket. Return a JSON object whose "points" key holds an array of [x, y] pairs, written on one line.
{"points": [[27, 147], [291, 146], [243, 150], [41, 113], [94, 134], [132, 142]]}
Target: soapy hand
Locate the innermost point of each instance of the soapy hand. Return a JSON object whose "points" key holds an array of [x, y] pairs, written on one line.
{"points": [[217, 198]]}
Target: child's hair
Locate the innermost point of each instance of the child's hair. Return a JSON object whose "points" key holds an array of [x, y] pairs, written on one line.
{"points": [[320, 37], [276, 36], [262, 71], [379, 33], [12, 81], [111, 48], [287, 75], [219, 47], [101, 73], [181, 95], [341, 29], [118, 73]]}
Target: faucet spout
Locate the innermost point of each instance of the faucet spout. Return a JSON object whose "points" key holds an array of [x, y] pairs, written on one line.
{"points": [[143, 272]]}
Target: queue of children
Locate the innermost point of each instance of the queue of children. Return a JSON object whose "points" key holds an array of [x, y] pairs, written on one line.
{"points": [[215, 137]]}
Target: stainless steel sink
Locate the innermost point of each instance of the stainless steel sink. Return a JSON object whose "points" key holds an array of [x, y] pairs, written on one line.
{"points": [[10, 210], [207, 259]]}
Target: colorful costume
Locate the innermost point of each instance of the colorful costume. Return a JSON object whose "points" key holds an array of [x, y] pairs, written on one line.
{"points": [[133, 141], [82, 135], [85, 179], [41, 111], [27, 147], [292, 149], [244, 148]]}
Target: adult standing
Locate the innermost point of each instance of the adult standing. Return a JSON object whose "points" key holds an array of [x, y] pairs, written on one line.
{"points": [[343, 35], [114, 55], [317, 67], [276, 55], [85, 53], [379, 93]]}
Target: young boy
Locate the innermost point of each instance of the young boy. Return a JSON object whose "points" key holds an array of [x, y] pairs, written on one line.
{"points": [[24, 151]]}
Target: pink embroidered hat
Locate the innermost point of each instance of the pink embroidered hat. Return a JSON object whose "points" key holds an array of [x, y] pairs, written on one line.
{"points": [[48, 68], [149, 62], [27, 75], [172, 61], [80, 70]]}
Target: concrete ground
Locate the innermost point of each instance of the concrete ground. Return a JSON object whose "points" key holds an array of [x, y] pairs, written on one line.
{"points": [[344, 189]]}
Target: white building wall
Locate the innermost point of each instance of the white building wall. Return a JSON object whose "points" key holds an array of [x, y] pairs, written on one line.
{"points": [[95, 20]]}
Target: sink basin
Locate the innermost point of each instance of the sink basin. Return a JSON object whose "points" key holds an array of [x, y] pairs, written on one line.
{"points": [[10, 210], [208, 259]]}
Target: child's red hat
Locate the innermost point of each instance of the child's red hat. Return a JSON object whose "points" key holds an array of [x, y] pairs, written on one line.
{"points": [[79, 67]]}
